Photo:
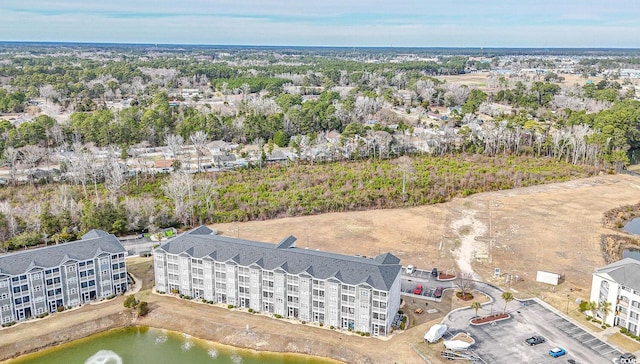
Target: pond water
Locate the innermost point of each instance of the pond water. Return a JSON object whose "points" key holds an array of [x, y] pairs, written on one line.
{"points": [[633, 226], [147, 345], [631, 253]]}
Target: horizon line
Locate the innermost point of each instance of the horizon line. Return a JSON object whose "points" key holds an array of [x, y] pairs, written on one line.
{"points": [[80, 43]]}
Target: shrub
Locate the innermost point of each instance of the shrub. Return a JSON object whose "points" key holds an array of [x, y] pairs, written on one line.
{"points": [[110, 297], [60, 308], [175, 291], [584, 305], [229, 306], [143, 308], [277, 315], [8, 324], [623, 330], [362, 334], [331, 327], [603, 326], [588, 318], [400, 312], [43, 315], [367, 334], [607, 325], [130, 301], [404, 319], [402, 326], [251, 310], [321, 324]]}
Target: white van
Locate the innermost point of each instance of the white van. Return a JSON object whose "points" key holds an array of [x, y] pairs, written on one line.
{"points": [[410, 269]]}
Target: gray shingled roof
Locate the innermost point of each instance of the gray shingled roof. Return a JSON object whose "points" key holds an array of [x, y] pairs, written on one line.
{"points": [[379, 273], [625, 272], [92, 244]]}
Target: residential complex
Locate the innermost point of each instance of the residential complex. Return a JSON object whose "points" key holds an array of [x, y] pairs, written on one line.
{"points": [[348, 292], [37, 281], [619, 284]]}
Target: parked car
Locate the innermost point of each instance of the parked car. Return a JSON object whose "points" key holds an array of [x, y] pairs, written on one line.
{"points": [[438, 292], [571, 361], [535, 340], [434, 272], [418, 289], [410, 269], [557, 352]]}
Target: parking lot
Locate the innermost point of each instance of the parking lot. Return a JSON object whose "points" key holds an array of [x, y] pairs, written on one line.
{"points": [[425, 279], [504, 341]]}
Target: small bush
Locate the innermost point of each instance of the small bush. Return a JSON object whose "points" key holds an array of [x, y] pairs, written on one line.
{"points": [[400, 312], [229, 306], [277, 315], [321, 324], [588, 318], [404, 319], [251, 310], [175, 291], [607, 325], [130, 301], [60, 308], [603, 326], [332, 327], [43, 315], [362, 334], [9, 324], [402, 326], [143, 308], [304, 322], [367, 334], [623, 330], [160, 292]]}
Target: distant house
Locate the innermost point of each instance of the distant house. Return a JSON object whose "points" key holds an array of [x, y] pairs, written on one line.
{"points": [[223, 161], [189, 93], [45, 280], [163, 166], [277, 156]]}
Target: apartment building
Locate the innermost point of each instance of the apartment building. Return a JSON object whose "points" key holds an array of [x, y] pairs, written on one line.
{"points": [[41, 280], [619, 284], [347, 292]]}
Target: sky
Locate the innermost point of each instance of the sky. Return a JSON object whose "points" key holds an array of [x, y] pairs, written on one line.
{"points": [[351, 23]]}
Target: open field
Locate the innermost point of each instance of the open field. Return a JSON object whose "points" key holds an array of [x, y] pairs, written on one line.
{"points": [[554, 227]]}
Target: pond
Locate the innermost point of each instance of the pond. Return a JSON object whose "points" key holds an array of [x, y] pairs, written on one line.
{"points": [[633, 226], [148, 345]]}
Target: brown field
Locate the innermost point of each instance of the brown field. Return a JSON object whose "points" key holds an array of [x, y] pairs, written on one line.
{"points": [[553, 227], [479, 80]]}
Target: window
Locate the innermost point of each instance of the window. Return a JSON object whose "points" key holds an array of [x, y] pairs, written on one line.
{"points": [[37, 288], [18, 301], [35, 276], [4, 296], [6, 308], [4, 284], [73, 290], [71, 268]]}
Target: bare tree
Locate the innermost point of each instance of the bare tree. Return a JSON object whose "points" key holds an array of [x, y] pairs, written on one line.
{"points": [[465, 283], [198, 139], [205, 191], [179, 187], [11, 157], [32, 155], [175, 143], [405, 164]]}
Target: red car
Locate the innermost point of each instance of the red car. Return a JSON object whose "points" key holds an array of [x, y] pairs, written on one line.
{"points": [[418, 289]]}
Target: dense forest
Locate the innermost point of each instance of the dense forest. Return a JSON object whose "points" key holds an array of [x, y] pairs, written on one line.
{"points": [[406, 134]]}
